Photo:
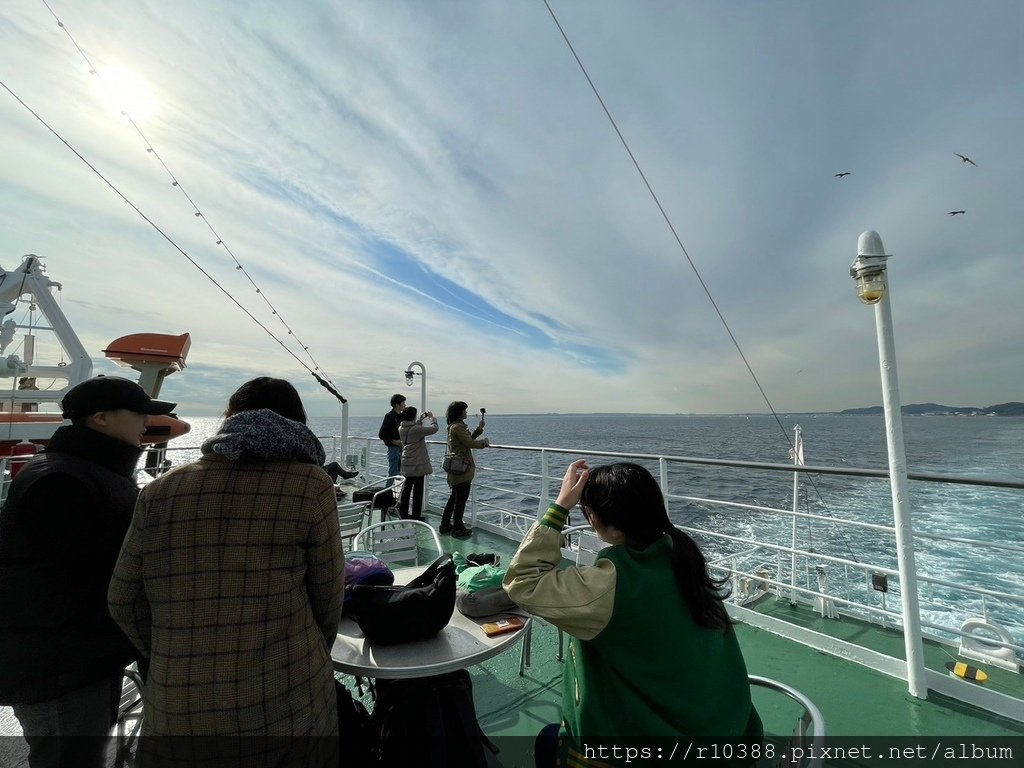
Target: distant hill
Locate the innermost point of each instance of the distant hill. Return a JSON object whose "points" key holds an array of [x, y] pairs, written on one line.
{"points": [[934, 409]]}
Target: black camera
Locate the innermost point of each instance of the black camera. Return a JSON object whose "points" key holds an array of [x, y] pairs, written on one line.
{"points": [[483, 410]]}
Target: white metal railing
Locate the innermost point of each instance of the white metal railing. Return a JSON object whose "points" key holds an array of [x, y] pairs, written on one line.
{"points": [[514, 483]]}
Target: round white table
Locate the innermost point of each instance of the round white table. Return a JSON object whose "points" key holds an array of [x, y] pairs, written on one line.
{"points": [[459, 645]]}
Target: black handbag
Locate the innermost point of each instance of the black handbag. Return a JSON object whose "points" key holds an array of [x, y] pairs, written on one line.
{"points": [[402, 614]]}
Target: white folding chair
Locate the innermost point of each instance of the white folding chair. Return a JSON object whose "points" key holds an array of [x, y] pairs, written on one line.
{"points": [[129, 709], [396, 541], [352, 518], [378, 501], [809, 719], [588, 544]]}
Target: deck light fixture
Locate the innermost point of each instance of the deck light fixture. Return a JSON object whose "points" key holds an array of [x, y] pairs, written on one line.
{"points": [[869, 268], [410, 375]]}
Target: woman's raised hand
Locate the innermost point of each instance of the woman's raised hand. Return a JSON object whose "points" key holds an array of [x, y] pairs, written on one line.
{"points": [[575, 478]]}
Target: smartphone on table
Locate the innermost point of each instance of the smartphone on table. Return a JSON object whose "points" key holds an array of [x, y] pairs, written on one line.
{"points": [[503, 625]]}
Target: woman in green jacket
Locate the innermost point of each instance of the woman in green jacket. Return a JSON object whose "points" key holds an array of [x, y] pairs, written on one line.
{"points": [[652, 657], [460, 444]]}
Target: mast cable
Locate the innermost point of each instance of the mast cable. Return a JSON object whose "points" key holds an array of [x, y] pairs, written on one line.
{"points": [[679, 242], [168, 238], [198, 213]]}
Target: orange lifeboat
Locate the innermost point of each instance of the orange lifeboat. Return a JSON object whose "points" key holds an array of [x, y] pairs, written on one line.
{"points": [[160, 429], [154, 355], [150, 349]]}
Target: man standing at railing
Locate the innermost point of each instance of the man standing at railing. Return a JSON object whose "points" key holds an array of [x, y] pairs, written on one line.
{"points": [[389, 435]]}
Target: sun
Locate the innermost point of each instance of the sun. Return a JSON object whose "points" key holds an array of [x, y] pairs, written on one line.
{"points": [[125, 92]]}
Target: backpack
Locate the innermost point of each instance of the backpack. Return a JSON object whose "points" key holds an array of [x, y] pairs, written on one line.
{"points": [[429, 722], [355, 729]]}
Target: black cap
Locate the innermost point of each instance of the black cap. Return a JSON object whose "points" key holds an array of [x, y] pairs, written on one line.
{"points": [[110, 393]]}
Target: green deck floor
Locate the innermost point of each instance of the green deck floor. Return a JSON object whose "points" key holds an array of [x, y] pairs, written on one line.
{"points": [[855, 700]]}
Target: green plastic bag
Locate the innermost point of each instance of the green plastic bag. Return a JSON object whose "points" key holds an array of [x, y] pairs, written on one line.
{"points": [[478, 577]]}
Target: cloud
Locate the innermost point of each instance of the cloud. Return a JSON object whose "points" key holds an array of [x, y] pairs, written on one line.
{"points": [[435, 182]]}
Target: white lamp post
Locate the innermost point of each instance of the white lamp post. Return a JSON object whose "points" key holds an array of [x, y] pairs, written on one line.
{"points": [[409, 378], [410, 373], [869, 272]]}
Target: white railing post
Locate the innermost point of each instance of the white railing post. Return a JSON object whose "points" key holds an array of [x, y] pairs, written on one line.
{"points": [[798, 459], [545, 486], [344, 433]]}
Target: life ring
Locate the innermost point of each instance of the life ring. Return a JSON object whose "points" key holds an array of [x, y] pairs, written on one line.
{"points": [[981, 648]]}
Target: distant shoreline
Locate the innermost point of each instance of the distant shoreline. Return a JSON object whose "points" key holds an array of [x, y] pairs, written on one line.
{"points": [[917, 409]]}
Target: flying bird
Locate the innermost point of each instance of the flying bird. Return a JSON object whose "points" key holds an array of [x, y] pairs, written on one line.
{"points": [[954, 213], [966, 159], [840, 175]]}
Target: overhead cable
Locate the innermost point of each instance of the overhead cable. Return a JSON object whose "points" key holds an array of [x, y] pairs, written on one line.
{"points": [[197, 212]]}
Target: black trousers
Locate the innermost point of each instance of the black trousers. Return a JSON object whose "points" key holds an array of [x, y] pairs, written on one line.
{"points": [[414, 487], [456, 505]]}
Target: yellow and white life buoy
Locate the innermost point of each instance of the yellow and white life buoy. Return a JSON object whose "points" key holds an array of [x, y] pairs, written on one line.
{"points": [[981, 648]]}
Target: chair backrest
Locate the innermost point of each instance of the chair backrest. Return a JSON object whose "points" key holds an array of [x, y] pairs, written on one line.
{"points": [[352, 517], [587, 546], [808, 734], [395, 541]]}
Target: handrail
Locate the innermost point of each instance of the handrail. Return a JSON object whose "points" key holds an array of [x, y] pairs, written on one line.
{"points": [[993, 482], [490, 509], [812, 716], [934, 477]]}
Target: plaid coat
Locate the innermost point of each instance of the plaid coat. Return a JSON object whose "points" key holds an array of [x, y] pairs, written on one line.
{"points": [[231, 579]]}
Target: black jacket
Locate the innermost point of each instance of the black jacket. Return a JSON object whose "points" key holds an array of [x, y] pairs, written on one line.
{"points": [[388, 431], [61, 530]]}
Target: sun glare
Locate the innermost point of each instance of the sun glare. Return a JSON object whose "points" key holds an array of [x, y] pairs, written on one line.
{"points": [[123, 91]]}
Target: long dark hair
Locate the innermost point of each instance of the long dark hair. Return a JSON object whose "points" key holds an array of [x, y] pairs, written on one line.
{"points": [[454, 412], [264, 392], [628, 497]]}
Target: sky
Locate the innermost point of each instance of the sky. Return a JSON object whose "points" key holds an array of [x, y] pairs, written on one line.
{"points": [[436, 181]]}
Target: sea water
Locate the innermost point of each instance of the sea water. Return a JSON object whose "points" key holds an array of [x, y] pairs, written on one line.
{"points": [[953, 514]]}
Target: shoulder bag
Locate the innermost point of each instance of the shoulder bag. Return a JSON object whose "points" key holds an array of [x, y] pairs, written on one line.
{"points": [[455, 465], [401, 614]]}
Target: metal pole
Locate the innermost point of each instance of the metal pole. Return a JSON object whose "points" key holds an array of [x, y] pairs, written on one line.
{"points": [[545, 487], [423, 409], [900, 500], [797, 459], [344, 433]]}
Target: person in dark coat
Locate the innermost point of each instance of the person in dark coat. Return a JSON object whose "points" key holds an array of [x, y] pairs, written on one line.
{"points": [[231, 581], [61, 529], [388, 434]]}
